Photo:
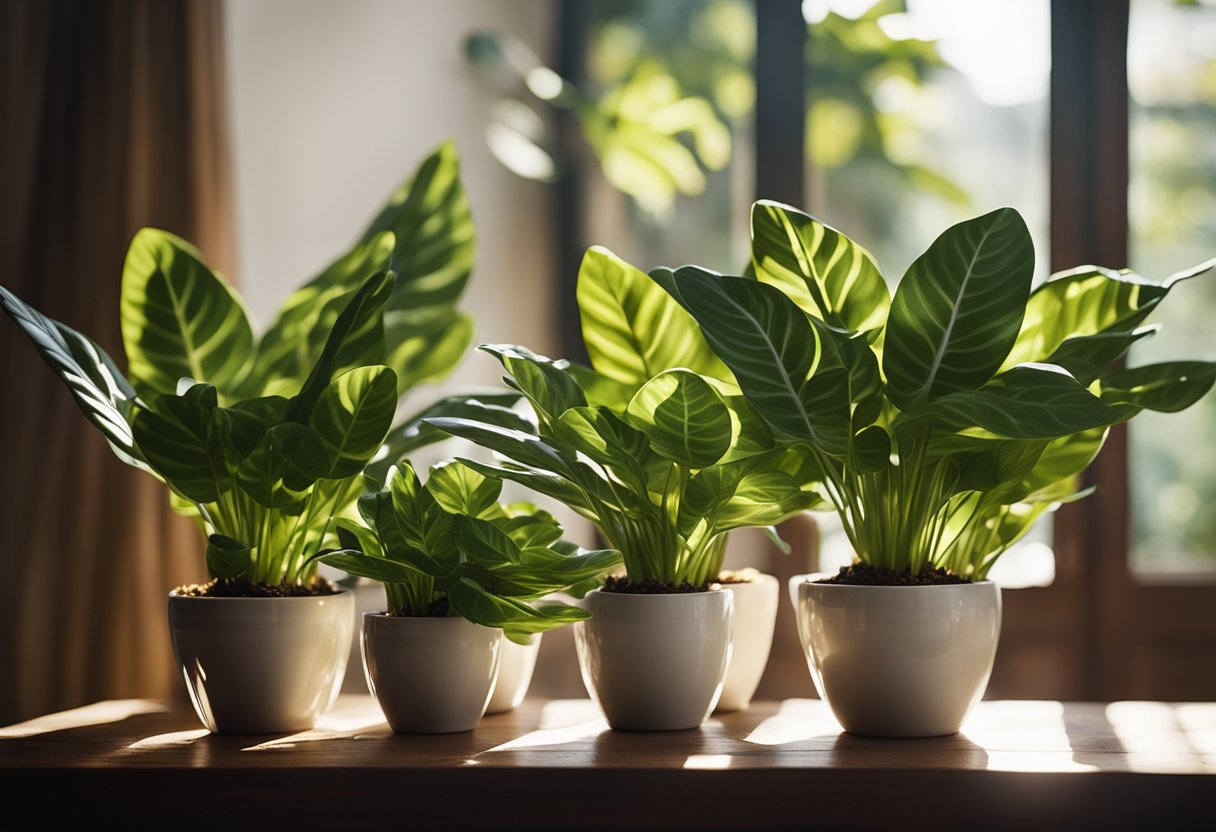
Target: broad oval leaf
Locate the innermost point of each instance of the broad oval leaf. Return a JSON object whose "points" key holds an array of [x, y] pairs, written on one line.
{"points": [[352, 416], [633, 330], [1086, 356], [426, 350], [459, 489], [286, 462], [371, 567], [684, 418], [178, 441], [763, 337], [179, 318], [606, 438], [551, 390], [957, 311], [516, 618], [820, 269]]}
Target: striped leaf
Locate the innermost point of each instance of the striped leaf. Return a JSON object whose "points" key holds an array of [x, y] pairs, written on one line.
{"points": [[633, 330], [1031, 401], [771, 347], [606, 438], [179, 319], [357, 339], [517, 619], [820, 269], [352, 416], [551, 390], [177, 439], [1082, 302], [1166, 387], [227, 558], [286, 462], [957, 311], [373, 568], [1088, 355], [684, 418], [424, 350], [425, 235], [99, 388]]}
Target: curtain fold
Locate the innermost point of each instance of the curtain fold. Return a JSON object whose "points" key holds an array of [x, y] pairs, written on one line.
{"points": [[113, 118]]}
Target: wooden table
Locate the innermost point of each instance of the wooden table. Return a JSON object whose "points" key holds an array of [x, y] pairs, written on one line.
{"points": [[555, 765]]}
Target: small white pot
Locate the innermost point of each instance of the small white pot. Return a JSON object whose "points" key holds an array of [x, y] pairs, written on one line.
{"points": [[430, 675], [899, 661], [261, 665], [514, 675], [755, 617], [655, 662]]}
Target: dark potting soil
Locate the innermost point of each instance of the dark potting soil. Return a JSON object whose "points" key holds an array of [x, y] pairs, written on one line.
{"points": [[247, 589], [862, 574], [651, 587]]}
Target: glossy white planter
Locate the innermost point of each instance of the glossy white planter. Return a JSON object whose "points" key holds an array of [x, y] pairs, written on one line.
{"points": [[261, 665], [655, 662], [430, 675], [755, 617], [899, 661], [514, 675]]}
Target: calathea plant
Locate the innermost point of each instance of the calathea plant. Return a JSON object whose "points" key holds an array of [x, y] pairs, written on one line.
{"points": [[263, 440], [941, 422], [449, 548], [653, 445]]}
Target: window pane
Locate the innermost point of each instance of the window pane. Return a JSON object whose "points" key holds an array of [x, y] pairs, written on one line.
{"points": [[1172, 206], [918, 120]]}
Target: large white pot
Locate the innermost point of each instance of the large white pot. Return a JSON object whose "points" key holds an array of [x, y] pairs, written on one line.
{"points": [[261, 665], [430, 675], [755, 617], [655, 662], [899, 661], [514, 675]]}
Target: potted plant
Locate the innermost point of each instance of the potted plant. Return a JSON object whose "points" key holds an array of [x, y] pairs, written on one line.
{"points": [[939, 424], [633, 331], [263, 441], [460, 570], [663, 473]]}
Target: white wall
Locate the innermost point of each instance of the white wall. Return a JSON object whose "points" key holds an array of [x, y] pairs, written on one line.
{"points": [[334, 103]]}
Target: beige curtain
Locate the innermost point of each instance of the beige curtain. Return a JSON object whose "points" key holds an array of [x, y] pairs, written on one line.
{"points": [[112, 117]]}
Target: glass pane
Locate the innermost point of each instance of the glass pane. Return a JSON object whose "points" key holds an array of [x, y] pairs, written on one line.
{"points": [[920, 119], [1172, 207]]}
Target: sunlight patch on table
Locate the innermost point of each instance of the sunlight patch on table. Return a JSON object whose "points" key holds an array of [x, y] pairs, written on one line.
{"points": [[99, 713], [796, 720]]}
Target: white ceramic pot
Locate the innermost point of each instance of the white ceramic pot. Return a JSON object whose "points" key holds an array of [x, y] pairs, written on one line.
{"points": [[430, 675], [515, 670], [655, 662], [755, 617], [261, 665], [899, 661]]}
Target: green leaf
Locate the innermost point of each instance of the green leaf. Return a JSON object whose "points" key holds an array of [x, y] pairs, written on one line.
{"points": [[371, 567], [771, 347], [1063, 459], [606, 438], [872, 449], [482, 543], [543, 570], [99, 388], [459, 489], [1031, 401], [354, 535], [820, 269], [763, 498], [957, 311], [426, 352], [177, 441], [599, 389], [227, 558], [238, 433], [179, 319], [548, 387], [351, 417], [1086, 356], [537, 528], [1166, 387], [557, 486], [357, 339], [473, 602], [684, 418], [289, 458], [633, 330], [524, 448]]}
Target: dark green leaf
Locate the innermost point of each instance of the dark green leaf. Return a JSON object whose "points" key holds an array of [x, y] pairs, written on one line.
{"points": [[177, 440], [1166, 387], [351, 417], [227, 558], [684, 418], [459, 489], [287, 460], [957, 311], [551, 390]]}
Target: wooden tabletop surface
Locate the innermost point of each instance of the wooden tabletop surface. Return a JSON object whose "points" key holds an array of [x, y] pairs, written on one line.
{"points": [[555, 764]]}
